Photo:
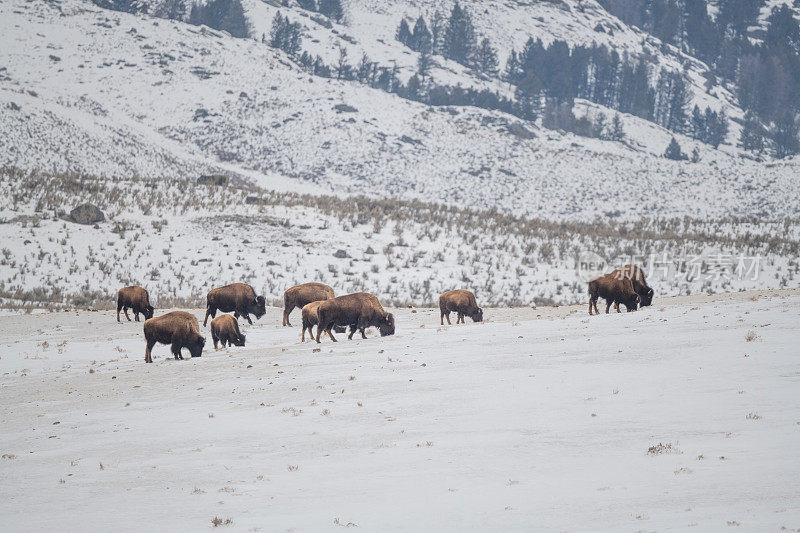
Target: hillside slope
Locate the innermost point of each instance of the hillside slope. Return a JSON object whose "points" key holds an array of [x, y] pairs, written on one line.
{"points": [[102, 92]]}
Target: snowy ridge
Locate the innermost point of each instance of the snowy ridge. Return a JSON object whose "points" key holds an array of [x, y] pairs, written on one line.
{"points": [[158, 98]]}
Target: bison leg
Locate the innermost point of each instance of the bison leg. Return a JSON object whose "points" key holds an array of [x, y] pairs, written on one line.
{"points": [[590, 307], [447, 316], [328, 331], [119, 308], [136, 315], [363, 336], [212, 311], [215, 339], [616, 306], [147, 357], [247, 317], [352, 330], [608, 305], [125, 310], [286, 313]]}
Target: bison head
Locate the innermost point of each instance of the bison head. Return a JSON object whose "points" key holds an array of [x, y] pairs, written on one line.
{"points": [[196, 346], [148, 312], [386, 326], [477, 316], [258, 307], [632, 304], [647, 297], [240, 340]]}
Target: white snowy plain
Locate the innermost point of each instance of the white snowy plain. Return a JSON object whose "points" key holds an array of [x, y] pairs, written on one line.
{"points": [[537, 419]]}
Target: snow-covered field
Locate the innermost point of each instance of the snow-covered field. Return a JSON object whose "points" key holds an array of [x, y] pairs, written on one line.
{"points": [[546, 419]]}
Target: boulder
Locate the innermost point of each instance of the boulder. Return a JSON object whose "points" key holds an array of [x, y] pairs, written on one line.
{"points": [[86, 214], [340, 254]]}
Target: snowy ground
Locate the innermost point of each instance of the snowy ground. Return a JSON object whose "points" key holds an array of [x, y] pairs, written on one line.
{"points": [[538, 418]]}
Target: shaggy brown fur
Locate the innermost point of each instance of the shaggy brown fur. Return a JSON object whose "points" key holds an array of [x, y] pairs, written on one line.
{"points": [[238, 298], [616, 291], [302, 295], [359, 311], [635, 274], [136, 299], [177, 328], [461, 302], [225, 329], [309, 313]]}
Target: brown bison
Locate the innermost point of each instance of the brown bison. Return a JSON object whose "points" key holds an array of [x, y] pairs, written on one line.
{"points": [[359, 311], [239, 298], [136, 299], [461, 302], [635, 274], [613, 290], [177, 328], [309, 317], [225, 329], [302, 295]]}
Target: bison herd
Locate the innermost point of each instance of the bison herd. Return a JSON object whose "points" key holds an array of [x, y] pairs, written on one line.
{"points": [[321, 308]]}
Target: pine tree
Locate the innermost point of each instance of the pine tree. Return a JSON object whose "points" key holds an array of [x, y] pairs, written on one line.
{"points": [[698, 127], [170, 9], [460, 40], [752, 136], [342, 67], [332, 9], [528, 96], [784, 136], [678, 104], [674, 151], [225, 15], [421, 37], [437, 32], [716, 127], [486, 58], [308, 5], [403, 33], [513, 72], [599, 126], [617, 132], [424, 63]]}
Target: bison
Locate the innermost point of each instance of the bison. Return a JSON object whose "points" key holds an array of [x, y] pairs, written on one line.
{"points": [[239, 298], [225, 329], [359, 311], [309, 316], [177, 328], [302, 295], [136, 299], [635, 274], [463, 303], [614, 290]]}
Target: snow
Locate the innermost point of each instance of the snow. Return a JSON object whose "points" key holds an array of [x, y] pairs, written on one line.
{"points": [[128, 95], [537, 417]]}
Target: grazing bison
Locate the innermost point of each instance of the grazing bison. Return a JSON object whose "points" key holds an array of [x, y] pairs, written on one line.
{"points": [[225, 329], [359, 311], [239, 298], [177, 328], [461, 302], [635, 274], [302, 295], [616, 291], [136, 299], [309, 313]]}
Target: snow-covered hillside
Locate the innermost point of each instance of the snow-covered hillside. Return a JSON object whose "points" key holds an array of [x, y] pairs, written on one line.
{"points": [[102, 92], [674, 417]]}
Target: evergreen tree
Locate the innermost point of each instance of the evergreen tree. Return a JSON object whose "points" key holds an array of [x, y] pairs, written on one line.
{"points": [[403, 33], [225, 15], [364, 69], [698, 124], [285, 35], [528, 96], [486, 58], [460, 40], [617, 132], [308, 5], [752, 136], [421, 37], [424, 63], [695, 155], [342, 67], [437, 32], [170, 9], [678, 104], [784, 136], [513, 72], [716, 127], [674, 151], [599, 127], [332, 9]]}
